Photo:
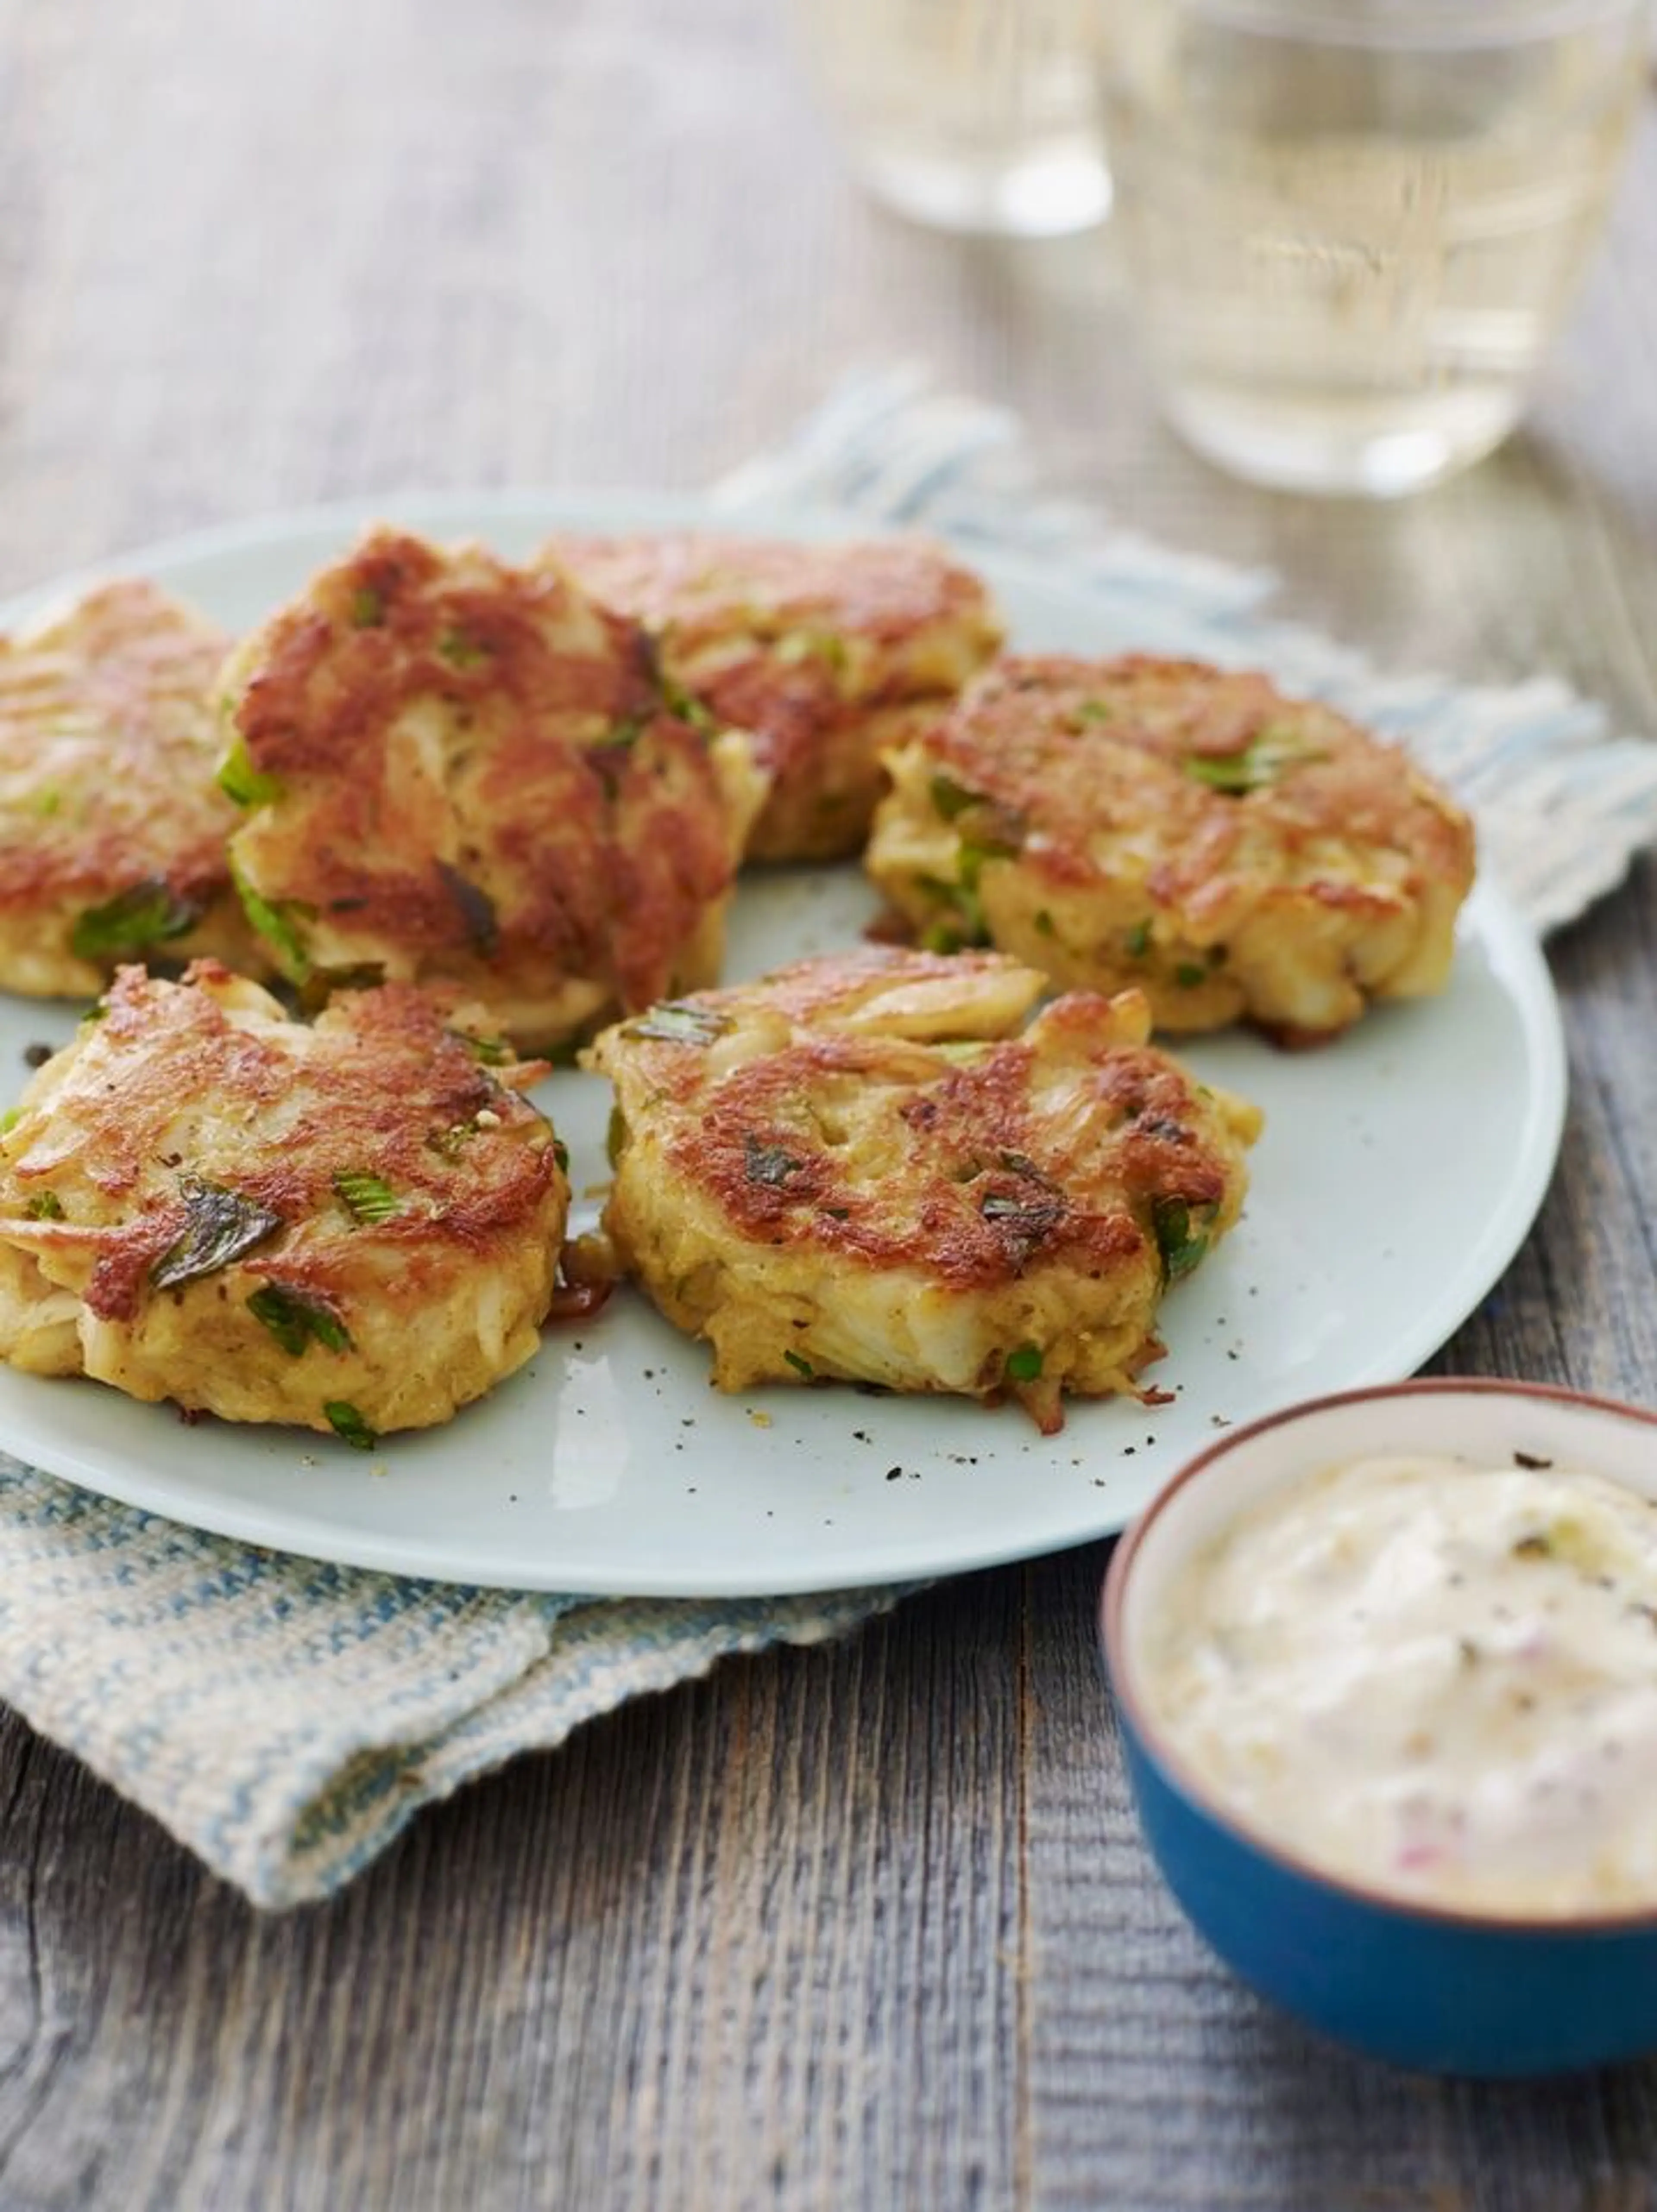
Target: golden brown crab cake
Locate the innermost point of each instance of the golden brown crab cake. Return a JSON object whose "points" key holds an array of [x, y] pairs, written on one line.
{"points": [[868, 1167], [1232, 852], [111, 827], [461, 774], [828, 653], [354, 1226]]}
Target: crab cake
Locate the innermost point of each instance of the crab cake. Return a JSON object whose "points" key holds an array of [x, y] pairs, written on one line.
{"points": [[355, 1226], [868, 1167], [1234, 854], [112, 828], [462, 773], [828, 653]]}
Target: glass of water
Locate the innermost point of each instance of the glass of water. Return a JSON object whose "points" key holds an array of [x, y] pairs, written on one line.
{"points": [[970, 115], [1351, 226]]}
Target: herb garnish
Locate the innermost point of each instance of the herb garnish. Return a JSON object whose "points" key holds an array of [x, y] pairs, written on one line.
{"points": [[146, 914], [220, 1226], [368, 1198], [1180, 1248], [294, 1319], [240, 781], [680, 1021], [1262, 761], [349, 1424]]}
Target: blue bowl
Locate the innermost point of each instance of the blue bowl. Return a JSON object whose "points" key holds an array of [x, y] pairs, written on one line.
{"points": [[1439, 1991]]}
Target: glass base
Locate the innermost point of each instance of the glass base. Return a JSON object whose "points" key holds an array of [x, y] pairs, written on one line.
{"points": [[1366, 448], [1063, 187]]}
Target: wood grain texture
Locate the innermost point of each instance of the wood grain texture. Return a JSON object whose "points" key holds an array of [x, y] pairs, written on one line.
{"points": [[867, 1927]]}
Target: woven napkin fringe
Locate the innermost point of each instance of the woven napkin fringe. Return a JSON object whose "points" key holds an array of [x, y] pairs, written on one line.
{"points": [[284, 1719]]}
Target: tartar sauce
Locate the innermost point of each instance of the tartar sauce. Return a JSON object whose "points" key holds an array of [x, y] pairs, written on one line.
{"points": [[1438, 1679]]}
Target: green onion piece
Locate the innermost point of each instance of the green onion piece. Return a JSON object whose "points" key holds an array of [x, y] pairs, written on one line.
{"points": [[348, 1423], [1180, 1249], [973, 854], [1024, 1364], [802, 1367], [492, 1051], [367, 608], [950, 798], [1189, 974], [688, 707], [798, 645], [274, 919], [148, 914], [680, 1021], [1262, 761], [460, 650], [962, 924], [294, 1319], [943, 937], [626, 731], [368, 1198], [1138, 940], [9, 1118], [1044, 923], [239, 779], [219, 1226], [45, 1206]]}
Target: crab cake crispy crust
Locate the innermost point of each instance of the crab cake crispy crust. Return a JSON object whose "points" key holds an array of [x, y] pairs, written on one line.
{"points": [[464, 774], [112, 828], [868, 1167], [1234, 854], [355, 1226], [828, 653]]}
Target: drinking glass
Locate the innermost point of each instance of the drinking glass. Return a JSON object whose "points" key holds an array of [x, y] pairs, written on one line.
{"points": [[971, 115], [1351, 226]]}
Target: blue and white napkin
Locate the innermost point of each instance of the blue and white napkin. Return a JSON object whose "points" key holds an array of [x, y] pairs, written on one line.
{"points": [[284, 1720]]}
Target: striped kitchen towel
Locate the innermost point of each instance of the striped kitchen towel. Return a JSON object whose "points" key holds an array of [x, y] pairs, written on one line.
{"points": [[285, 1719]]}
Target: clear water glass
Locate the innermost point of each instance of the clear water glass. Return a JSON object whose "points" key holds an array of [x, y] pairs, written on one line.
{"points": [[970, 115], [1352, 227]]}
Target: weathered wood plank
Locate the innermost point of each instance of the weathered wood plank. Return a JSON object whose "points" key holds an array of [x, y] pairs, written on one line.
{"points": [[865, 1927]]}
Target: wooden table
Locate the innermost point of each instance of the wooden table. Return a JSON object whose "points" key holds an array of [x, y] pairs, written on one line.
{"points": [[855, 1928]]}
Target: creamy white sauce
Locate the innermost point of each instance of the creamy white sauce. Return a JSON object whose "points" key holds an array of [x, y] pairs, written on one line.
{"points": [[1435, 1679]]}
